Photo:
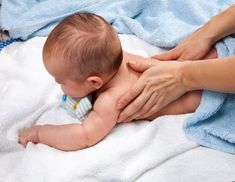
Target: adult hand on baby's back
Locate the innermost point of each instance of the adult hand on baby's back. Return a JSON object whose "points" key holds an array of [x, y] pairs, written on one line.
{"points": [[194, 47], [159, 84]]}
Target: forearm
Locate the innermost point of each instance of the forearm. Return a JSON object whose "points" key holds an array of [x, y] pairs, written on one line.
{"points": [[64, 137], [214, 74], [93, 129], [220, 25]]}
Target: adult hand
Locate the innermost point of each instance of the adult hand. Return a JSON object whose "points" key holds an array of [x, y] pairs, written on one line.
{"points": [[160, 84], [195, 47]]}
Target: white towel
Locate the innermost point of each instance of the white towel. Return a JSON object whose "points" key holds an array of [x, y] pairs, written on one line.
{"points": [[30, 96]]}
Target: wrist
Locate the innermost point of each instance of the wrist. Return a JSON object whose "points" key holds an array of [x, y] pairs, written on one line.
{"points": [[214, 32], [186, 76], [220, 25], [209, 33]]}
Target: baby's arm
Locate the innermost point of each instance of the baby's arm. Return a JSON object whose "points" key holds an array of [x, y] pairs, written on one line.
{"points": [[70, 137]]}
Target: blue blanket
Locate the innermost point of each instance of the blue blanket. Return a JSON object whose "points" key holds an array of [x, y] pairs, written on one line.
{"points": [[163, 23]]}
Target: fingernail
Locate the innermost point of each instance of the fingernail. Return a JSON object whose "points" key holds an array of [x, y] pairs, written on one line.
{"points": [[128, 120], [131, 62], [120, 119], [119, 106]]}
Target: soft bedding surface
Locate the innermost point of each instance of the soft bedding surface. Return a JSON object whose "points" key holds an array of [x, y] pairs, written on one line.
{"points": [[163, 23], [141, 151]]}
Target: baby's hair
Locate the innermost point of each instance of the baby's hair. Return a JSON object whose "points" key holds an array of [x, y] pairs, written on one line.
{"points": [[86, 45]]}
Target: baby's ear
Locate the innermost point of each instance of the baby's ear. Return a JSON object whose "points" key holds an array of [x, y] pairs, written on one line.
{"points": [[95, 81]]}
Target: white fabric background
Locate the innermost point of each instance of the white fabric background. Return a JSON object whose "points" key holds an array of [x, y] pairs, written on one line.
{"points": [[141, 151]]}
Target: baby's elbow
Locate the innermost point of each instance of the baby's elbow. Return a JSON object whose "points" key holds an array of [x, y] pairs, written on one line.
{"points": [[87, 136], [91, 139]]}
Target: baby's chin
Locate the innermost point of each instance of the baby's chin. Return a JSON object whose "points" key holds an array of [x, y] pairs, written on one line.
{"points": [[80, 95], [77, 97]]}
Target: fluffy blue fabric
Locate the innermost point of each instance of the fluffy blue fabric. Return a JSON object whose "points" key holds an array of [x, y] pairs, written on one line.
{"points": [[160, 22], [163, 23]]}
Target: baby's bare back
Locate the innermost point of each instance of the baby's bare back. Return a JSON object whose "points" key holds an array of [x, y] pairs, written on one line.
{"points": [[124, 78]]}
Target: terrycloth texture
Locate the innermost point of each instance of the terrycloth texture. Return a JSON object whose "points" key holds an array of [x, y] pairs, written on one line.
{"points": [[140, 151], [161, 22], [79, 108], [214, 128]]}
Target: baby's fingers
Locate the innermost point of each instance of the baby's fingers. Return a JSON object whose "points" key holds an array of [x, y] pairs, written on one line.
{"points": [[23, 139]]}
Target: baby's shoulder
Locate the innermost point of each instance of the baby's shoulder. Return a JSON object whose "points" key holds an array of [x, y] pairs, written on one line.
{"points": [[109, 96], [106, 102]]}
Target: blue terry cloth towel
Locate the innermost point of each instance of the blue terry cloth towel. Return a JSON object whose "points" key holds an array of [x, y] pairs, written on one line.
{"points": [[163, 23]]}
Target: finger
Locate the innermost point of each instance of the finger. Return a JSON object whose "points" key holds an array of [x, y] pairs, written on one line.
{"points": [[184, 57], [21, 137], [146, 108], [23, 141], [133, 107], [141, 66], [154, 109], [126, 114], [148, 105], [169, 55], [131, 94], [150, 113], [128, 120]]}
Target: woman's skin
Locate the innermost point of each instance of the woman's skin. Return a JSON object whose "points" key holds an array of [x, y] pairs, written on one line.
{"points": [[172, 79]]}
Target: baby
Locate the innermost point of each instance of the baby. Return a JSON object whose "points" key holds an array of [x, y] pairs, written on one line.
{"points": [[84, 55]]}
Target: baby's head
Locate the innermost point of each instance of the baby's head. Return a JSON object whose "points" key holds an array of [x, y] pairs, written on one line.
{"points": [[82, 53]]}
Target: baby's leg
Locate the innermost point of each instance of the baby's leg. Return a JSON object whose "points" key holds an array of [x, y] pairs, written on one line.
{"points": [[212, 54], [188, 103]]}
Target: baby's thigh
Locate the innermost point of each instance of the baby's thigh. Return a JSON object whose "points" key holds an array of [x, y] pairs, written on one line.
{"points": [[187, 103], [212, 54], [191, 100]]}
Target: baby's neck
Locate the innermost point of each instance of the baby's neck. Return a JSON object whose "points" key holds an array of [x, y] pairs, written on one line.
{"points": [[123, 75]]}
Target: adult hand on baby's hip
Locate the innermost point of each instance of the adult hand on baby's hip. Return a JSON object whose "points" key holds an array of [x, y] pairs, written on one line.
{"points": [[159, 84], [194, 47]]}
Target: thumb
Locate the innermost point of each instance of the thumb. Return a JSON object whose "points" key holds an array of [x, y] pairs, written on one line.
{"points": [[169, 55], [141, 66]]}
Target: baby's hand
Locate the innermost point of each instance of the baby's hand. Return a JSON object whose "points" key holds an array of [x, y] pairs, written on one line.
{"points": [[29, 135]]}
